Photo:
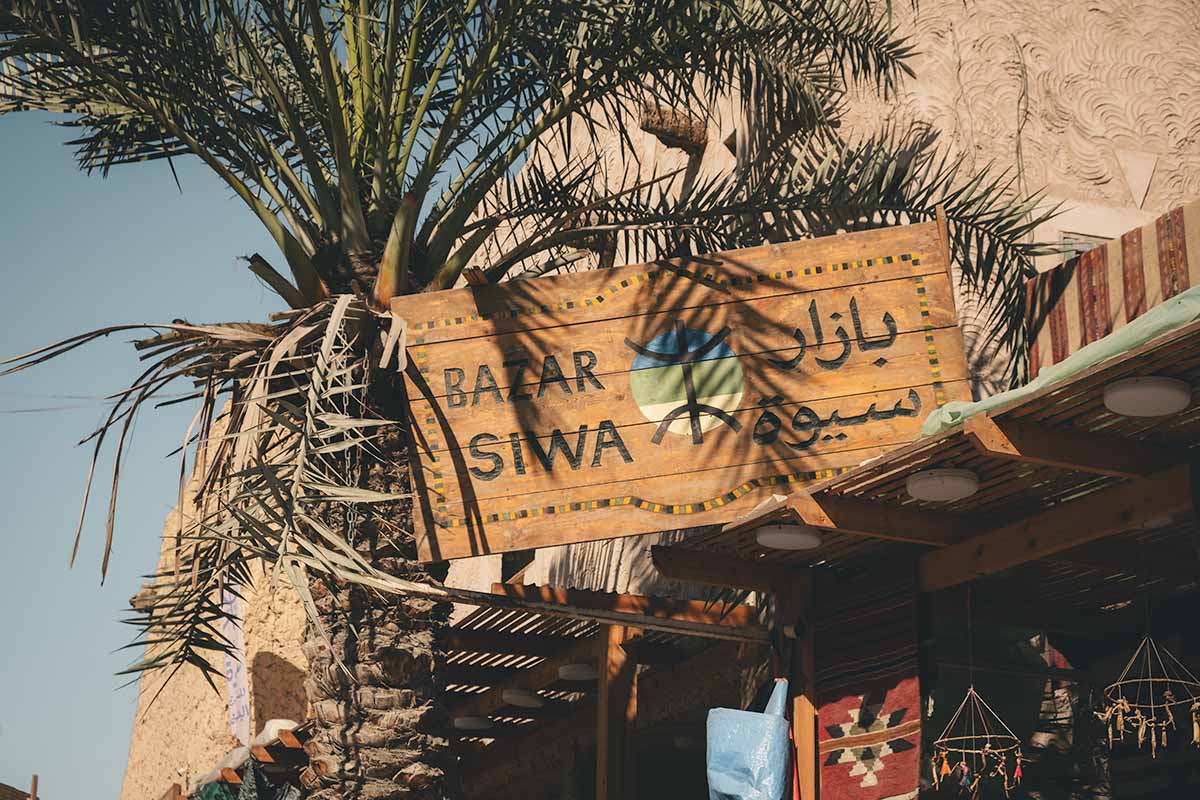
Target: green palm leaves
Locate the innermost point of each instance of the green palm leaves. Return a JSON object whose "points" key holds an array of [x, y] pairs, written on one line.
{"points": [[389, 145]]}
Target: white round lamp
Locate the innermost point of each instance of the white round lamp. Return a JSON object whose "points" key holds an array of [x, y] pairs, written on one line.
{"points": [[580, 671], [788, 537], [1150, 396], [943, 485], [522, 698]]}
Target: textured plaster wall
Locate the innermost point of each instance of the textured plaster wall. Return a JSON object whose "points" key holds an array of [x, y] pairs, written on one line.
{"points": [[1098, 101]]}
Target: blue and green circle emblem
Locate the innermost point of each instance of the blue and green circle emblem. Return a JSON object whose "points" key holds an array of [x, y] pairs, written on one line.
{"points": [[660, 373]]}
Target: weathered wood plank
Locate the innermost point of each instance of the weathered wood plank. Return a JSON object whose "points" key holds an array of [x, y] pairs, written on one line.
{"points": [[683, 283], [504, 465], [684, 498], [473, 410], [818, 312]]}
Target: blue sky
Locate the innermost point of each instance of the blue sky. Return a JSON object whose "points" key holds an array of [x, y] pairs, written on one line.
{"points": [[80, 252]]}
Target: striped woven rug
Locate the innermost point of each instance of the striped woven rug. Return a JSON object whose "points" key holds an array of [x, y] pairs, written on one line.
{"points": [[868, 689], [1101, 290]]}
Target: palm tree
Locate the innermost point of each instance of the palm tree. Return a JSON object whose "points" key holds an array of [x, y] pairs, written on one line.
{"points": [[387, 146]]}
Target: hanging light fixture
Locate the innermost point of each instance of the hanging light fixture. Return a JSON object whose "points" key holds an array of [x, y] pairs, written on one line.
{"points": [[788, 537], [942, 485], [469, 723], [522, 698], [579, 671], [1147, 396]]}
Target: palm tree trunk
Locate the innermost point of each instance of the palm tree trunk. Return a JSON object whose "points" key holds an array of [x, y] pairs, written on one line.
{"points": [[380, 723]]}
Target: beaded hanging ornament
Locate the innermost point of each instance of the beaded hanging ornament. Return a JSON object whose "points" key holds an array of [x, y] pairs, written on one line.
{"points": [[1154, 691], [976, 745]]}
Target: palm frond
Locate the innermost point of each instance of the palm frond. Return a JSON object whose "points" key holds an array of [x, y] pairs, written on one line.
{"points": [[389, 145]]}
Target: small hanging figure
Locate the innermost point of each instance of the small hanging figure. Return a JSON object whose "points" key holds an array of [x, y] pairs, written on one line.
{"points": [[1168, 701], [1017, 769], [1139, 722], [1196, 722], [964, 785], [1106, 717], [944, 772], [1122, 708]]}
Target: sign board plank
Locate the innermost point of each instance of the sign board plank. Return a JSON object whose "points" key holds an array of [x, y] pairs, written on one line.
{"points": [[652, 397]]}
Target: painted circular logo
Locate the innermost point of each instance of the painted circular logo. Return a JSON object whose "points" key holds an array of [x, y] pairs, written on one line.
{"points": [[687, 380]]}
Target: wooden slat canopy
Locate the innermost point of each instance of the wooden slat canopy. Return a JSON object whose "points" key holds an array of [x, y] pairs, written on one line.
{"points": [[494, 649]]}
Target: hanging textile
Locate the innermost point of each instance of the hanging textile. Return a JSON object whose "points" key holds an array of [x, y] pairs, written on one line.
{"points": [[868, 689], [1101, 290]]}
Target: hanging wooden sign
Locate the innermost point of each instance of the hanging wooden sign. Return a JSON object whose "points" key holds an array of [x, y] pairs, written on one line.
{"points": [[609, 403]]}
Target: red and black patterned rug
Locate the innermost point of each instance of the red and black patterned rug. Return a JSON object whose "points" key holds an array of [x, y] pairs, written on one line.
{"points": [[868, 689]]}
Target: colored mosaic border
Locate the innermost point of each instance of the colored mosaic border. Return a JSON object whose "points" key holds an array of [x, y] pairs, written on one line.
{"points": [[680, 509], [935, 361], [650, 275]]}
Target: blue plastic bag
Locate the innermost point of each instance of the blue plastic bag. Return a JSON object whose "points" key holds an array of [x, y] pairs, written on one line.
{"points": [[748, 752]]}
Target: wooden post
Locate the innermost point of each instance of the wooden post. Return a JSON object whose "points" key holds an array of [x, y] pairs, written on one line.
{"points": [[33, 788], [615, 718], [794, 600]]}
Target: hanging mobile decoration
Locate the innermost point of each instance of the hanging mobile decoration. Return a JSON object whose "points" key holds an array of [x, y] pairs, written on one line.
{"points": [[976, 744], [1144, 700]]}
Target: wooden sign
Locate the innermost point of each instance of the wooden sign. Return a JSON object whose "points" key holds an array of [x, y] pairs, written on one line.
{"points": [[625, 401]]}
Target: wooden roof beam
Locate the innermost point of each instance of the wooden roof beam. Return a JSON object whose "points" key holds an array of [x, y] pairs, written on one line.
{"points": [[712, 569], [876, 520], [474, 675], [854, 517], [1139, 503], [693, 617], [539, 676], [1098, 454], [479, 641]]}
